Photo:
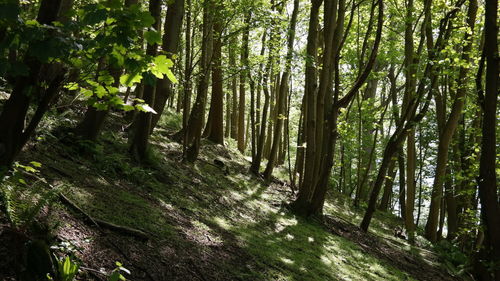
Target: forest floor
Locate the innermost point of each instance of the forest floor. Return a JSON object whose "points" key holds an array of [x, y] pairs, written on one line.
{"points": [[202, 221]]}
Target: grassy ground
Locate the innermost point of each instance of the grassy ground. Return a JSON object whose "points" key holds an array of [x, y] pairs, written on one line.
{"points": [[206, 222]]}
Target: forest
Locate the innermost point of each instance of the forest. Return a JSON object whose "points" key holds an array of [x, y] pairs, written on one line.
{"points": [[249, 140]]}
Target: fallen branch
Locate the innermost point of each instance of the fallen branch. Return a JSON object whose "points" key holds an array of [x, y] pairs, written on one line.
{"points": [[101, 223], [97, 222]]}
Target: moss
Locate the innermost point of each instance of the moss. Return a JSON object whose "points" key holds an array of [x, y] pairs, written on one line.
{"points": [[199, 207]]}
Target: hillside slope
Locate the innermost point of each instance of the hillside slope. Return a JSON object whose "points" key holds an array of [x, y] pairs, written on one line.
{"points": [[168, 220]]}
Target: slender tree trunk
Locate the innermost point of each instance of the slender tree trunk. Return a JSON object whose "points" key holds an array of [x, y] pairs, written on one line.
{"points": [[255, 166], [243, 75], [143, 122], [170, 43], [197, 116], [488, 193], [234, 93], [13, 135], [186, 103], [448, 130], [281, 96], [386, 196], [214, 129], [410, 117], [410, 71], [305, 187]]}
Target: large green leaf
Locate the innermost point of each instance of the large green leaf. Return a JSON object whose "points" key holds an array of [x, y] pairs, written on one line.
{"points": [[152, 37]]}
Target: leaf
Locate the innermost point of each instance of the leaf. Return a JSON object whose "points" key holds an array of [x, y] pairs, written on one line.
{"points": [[164, 62], [29, 169], [152, 37], [72, 86], [114, 276], [130, 79], [95, 16], [145, 108], [146, 19], [36, 164], [171, 76], [67, 266], [127, 107]]}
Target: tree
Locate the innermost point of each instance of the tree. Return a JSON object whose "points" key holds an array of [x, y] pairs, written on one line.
{"points": [[490, 206], [14, 134], [283, 91], [195, 122], [142, 125], [447, 128], [243, 75], [320, 119], [170, 43], [214, 129], [410, 117]]}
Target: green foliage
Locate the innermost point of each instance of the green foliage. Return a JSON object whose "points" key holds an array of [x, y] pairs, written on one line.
{"points": [[117, 273], [66, 270], [455, 260], [23, 200]]}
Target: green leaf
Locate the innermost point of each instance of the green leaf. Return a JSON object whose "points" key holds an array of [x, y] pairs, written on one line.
{"points": [[163, 62], [95, 16], [130, 79], [29, 169], [152, 37], [36, 164], [114, 276], [128, 107], [67, 266], [146, 19], [72, 86], [145, 108], [171, 76]]}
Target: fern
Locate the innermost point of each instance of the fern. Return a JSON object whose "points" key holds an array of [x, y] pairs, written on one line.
{"points": [[22, 202]]}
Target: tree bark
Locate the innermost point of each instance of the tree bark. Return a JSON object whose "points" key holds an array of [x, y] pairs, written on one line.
{"points": [[243, 75], [281, 96], [13, 135], [448, 131], [197, 116], [490, 208], [214, 129], [170, 42], [143, 122]]}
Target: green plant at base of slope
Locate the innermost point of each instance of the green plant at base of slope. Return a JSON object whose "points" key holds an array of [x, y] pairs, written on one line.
{"points": [[117, 272], [66, 270]]}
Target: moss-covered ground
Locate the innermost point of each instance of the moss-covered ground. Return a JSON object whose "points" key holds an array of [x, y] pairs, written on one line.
{"points": [[206, 222]]}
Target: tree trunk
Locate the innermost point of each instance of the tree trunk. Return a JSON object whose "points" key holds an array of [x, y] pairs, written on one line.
{"points": [[186, 103], [410, 117], [170, 42], [448, 130], [13, 135], [282, 93], [490, 208], [143, 122], [214, 129], [386, 196], [305, 187], [197, 116], [243, 75]]}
